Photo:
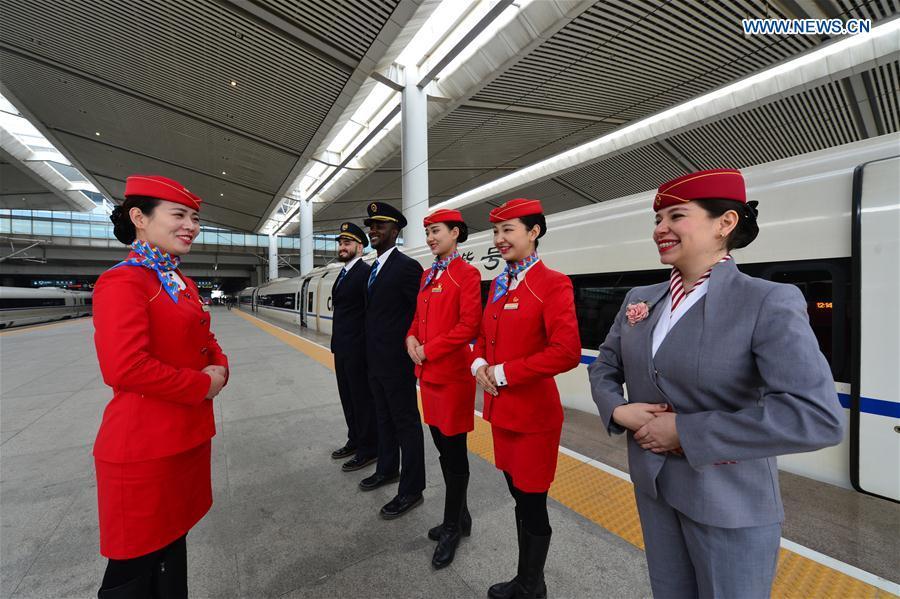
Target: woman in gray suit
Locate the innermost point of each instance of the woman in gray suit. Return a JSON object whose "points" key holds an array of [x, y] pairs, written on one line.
{"points": [[723, 374]]}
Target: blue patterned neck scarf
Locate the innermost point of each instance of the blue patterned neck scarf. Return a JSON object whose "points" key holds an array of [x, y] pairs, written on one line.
{"points": [[511, 271], [438, 266], [156, 260]]}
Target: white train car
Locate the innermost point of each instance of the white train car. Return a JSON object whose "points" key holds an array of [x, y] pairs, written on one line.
{"points": [[24, 305], [829, 223]]}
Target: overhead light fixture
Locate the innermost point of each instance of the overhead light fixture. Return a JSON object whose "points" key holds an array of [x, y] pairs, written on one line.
{"points": [[221, 195], [97, 133], [233, 83], [224, 173]]}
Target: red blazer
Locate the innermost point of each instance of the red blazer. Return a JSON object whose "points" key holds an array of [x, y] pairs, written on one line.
{"points": [[151, 351], [448, 313], [534, 341]]}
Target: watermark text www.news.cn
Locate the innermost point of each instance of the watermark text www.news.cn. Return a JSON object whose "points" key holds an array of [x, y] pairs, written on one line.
{"points": [[829, 27]]}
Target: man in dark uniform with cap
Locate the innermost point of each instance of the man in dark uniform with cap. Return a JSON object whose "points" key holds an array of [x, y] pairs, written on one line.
{"points": [[348, 344], [393, 287]]}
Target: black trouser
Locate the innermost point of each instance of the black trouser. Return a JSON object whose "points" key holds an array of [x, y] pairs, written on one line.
{"points": [[531, 508], [453, 451], [356, 400], [399, 431], [162, 574]]}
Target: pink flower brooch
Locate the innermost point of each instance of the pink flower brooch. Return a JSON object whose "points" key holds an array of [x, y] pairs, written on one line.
{"points": [[637, 312]]}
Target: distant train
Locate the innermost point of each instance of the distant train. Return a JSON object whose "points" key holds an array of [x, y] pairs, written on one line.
{"points": [[829, 222], [24, 305]]}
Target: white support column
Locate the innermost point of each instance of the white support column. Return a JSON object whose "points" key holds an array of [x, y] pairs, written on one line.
{"points": [[414, 153], [273, 257], [306, 236]]}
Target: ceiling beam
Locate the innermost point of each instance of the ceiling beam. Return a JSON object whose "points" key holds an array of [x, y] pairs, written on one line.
{"points": [[467, 39], [575, 116], [307, 40]]}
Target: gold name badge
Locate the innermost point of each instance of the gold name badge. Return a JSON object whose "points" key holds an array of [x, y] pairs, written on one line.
{"points": [[437, 290], [511, 306]]}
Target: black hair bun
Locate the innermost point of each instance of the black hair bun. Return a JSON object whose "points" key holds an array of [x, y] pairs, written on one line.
{"points": [[123, 228], [116, 215]]}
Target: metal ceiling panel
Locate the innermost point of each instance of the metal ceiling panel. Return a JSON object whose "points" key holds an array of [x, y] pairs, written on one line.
{"points": [[632, 58], [484, 138], [632, 172], [876, 10], [238, 207], [351, 27], [147, 129], [184, 54], [885, 83], [811, 120]]}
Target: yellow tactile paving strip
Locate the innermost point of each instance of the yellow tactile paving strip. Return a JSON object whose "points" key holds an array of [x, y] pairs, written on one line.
{"points": [[609, 501]]}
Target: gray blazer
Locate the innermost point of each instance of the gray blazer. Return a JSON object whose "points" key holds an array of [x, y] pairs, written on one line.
{"points": [[744, 374]]}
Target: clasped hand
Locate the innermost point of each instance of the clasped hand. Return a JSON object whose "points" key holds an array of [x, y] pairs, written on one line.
{"points": [[218, 375], [415, 350], [485, 377], [653, 426]]}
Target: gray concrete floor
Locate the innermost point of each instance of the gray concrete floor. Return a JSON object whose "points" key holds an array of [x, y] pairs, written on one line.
{"points": [[286, 521]]}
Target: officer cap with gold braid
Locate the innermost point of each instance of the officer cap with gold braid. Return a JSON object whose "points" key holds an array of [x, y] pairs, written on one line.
{"points": [[353, 232], [379, 211]]}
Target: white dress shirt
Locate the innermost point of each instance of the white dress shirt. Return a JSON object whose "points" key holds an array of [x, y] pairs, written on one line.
{"points": [[499, 374], [380, 260], [668, 318], [351, 264]]}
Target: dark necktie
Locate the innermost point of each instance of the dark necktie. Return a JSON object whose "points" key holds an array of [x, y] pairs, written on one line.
{"points": [[341, 276], [373, 273]]}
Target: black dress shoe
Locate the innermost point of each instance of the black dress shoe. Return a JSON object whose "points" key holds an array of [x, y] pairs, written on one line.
{"points": [[370, 483], [357, 463], [400, 504], [344, 452]]}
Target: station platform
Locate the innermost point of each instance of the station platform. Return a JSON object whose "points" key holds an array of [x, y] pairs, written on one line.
{"points": [[286, 522]]}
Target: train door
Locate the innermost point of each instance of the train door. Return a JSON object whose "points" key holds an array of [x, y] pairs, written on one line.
{"points": [[875, 382], [304, 303]]}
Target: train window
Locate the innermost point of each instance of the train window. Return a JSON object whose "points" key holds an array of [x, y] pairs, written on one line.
{"points": [[309, 303], [277, 300], [10, 303], [599, 297], [826, 287]]}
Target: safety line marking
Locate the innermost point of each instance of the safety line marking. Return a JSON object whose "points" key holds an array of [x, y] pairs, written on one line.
{"points": [[605, 496]]}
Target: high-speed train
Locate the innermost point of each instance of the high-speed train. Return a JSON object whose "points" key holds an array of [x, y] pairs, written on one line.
{"points": [[24, 305], [829, 224]]}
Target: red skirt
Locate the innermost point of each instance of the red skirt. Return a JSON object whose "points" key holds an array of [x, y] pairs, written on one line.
{"points": [[449, 406], [529, 458], [144, 506]]}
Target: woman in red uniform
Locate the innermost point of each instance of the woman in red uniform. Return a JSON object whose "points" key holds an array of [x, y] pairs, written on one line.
{"points": [[448, 312], [155, 349], [529, 334]]}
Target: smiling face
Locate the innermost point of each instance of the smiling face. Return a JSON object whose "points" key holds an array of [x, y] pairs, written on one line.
{"points": [[686, 234], [348, 249], [171, 227], [514, 240], [382, 235], [441, 239]]}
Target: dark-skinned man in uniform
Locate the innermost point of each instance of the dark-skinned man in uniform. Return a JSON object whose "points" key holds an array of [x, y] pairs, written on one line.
{"points": [[393, 287]]}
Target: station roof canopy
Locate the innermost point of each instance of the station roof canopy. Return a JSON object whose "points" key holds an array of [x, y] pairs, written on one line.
{"points": [[258, 104]]}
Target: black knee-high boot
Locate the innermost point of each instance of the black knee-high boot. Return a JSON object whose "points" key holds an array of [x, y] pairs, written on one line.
{"points": [[454, 509], [434, 533], [523, 584]]}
